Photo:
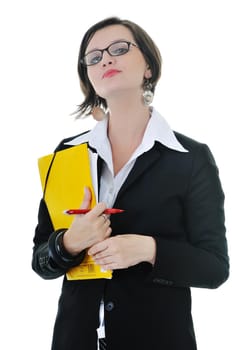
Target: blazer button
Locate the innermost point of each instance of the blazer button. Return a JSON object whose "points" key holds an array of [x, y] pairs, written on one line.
{"points": [[109, 306]]}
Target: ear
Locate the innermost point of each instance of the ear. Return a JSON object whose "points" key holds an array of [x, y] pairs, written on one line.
{"points": [[148, 73]]}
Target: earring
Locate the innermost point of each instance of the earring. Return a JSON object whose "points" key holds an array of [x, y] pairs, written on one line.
{"points": [[97, 112], [148, 94]]}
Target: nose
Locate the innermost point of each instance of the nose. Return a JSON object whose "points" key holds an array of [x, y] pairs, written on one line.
{"points": [[107, 59]]}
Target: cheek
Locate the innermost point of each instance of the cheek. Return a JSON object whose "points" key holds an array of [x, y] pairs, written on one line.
{"points": [[93, 76], [137, 69], [96, 82]]}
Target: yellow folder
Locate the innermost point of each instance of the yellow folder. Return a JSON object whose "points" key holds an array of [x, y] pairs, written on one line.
{"points": [[64, 175]]}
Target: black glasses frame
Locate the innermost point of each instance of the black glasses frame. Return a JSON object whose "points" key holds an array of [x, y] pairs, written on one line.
{"points": [[107, 49]]}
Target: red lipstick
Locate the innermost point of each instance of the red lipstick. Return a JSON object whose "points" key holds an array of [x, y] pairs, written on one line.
{"points": [[110, 73]]}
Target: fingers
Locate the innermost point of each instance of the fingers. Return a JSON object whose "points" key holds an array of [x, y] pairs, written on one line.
{"points": [[104, 216], [86, 199], [88, 229], [102, 255], [96, 211], [98, 248], [86, 202], [121, 251]]}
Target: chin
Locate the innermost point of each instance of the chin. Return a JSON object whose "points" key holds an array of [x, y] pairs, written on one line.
{"points": [[114, 92]]}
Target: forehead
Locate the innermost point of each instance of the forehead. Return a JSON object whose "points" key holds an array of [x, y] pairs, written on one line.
{"points": [[107, 35]]}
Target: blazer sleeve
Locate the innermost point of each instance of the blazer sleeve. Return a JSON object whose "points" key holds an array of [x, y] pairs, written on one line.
{"points": [[50, 260], [201, 260]]}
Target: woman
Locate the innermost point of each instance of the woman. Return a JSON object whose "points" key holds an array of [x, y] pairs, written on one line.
{"points": [[171, 235]]}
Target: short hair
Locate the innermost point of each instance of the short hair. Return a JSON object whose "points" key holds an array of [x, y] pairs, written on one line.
{"points": [[146, 45]]}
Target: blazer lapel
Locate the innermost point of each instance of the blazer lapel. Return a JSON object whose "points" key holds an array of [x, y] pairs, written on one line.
{"points": [[143, 162]]}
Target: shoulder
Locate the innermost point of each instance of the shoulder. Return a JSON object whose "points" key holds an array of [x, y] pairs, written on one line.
{"points": [[188, 142], [196, 150], [72, 141]]}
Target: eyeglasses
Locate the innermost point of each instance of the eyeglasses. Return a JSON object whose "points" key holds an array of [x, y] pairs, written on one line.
{"points": [[118, 48]]}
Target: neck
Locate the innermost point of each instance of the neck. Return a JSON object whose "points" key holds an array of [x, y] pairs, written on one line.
{"points": [[127, 120]]}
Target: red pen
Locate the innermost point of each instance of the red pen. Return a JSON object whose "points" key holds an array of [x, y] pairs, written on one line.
{"points": [[85, 211]]}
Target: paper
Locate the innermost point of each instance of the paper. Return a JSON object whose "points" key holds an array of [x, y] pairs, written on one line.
{"points": [[64, 175]]}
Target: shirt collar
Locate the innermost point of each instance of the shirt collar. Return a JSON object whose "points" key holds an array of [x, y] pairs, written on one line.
{"points": [[157, 130]]}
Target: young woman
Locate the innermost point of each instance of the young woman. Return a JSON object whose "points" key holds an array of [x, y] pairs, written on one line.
{"points": [[171, 235]]}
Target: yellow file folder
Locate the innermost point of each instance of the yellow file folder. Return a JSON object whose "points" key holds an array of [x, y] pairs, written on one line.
{"points": [[64, 175]]}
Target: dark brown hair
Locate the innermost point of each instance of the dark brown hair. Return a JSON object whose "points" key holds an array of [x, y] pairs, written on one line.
{"points": [[147, 46]]}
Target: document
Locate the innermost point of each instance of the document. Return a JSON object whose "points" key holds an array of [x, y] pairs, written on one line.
{"points": [[63, 176]]}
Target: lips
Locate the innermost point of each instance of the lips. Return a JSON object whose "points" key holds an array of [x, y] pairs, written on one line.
{"points": [[110, 73]]}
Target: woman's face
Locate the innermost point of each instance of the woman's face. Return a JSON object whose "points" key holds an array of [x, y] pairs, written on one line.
{"points": [[116, 75]]}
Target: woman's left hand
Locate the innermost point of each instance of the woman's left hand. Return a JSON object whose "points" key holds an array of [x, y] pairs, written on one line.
{"points": [[122, 251]]}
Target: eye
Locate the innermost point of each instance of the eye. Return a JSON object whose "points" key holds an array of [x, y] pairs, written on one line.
{"points": [[93, 57], [119, 49]]}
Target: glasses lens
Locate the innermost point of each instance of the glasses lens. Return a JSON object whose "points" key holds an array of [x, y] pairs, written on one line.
{"points": [[115, 49], [93, 58], [119, 48]]}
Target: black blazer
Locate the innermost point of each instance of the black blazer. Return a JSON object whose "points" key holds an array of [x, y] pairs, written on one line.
{"points": [[176, 198]]}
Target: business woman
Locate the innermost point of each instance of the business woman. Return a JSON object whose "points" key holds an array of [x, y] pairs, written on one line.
{"points": [[171, 235]]}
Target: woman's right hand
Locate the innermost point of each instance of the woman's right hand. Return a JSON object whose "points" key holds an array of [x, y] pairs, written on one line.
{"points": [[88, 229]]}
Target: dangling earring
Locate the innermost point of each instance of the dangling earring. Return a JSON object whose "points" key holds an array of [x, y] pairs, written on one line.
{"points": [[148, 94], [97, 112]]}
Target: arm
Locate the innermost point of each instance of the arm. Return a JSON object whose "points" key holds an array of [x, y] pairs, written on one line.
{"points": [[50, 260], [202, 260]]}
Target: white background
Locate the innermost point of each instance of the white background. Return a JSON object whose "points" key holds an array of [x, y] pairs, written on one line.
{"points": [[38, 91]]}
